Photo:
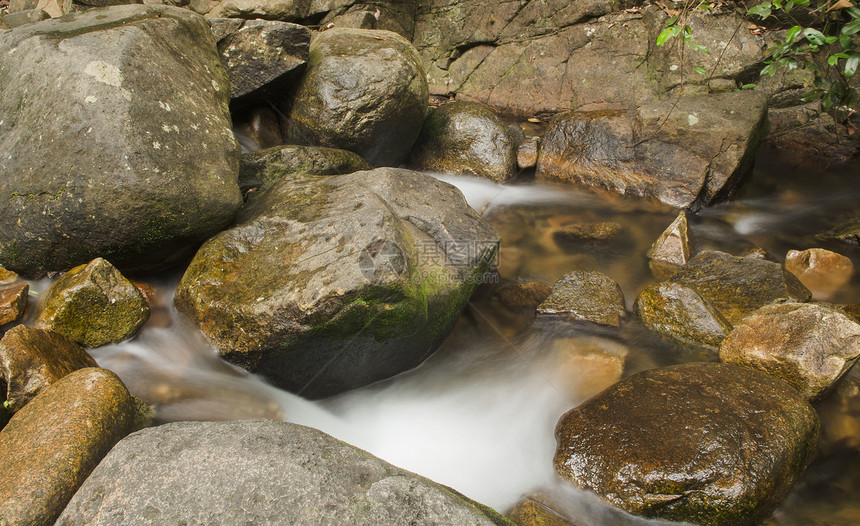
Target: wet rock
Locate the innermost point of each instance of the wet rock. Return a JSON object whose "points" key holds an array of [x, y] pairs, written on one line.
{"points": [[738, 286], [583, 367], [757, 253], [465, 138], [50, 446], [672, 249], [679, 313], [363, 91], [848, 232], [692, 158], [264, 58], [821, 271], [93, 305], [520, 297], [810, 346], [13, 301], [803, 133], [106, 3], [7, 276], [363, 273], [261, 127], [263, 168], [576, 235], [712, 444], [32, 359], [585, 296], [532, 511], [527, 153], [142, 164], [262, 472], [23, 18]]}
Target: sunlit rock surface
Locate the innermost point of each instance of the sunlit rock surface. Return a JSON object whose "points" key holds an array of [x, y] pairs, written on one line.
{"points": [[116, 140]]}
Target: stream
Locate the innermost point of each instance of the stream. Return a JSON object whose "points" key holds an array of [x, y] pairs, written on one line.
{"points": [[479, 414]]}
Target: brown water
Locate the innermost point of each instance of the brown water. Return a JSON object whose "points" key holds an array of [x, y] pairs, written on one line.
{"points": [[479, 414]]}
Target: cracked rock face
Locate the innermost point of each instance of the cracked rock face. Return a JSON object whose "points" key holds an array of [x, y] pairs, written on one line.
{"points": [[116, 140], [708, 443]]}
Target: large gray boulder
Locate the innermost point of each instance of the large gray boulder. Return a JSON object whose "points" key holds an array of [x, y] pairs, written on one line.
{"points": [[363, 91], [811, 346], [259, 472], [333, 282], [707, 443], [116, 140]]}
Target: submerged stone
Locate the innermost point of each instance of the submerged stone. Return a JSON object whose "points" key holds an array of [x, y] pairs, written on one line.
{"points": [[259, 472], [585, 296], [50, 446], [93, 305], [707, 443], [142, 161], [263, 168], [811, 346], [363, 91], [848, 232], [33, 359], [821, 271], [467, 139], [332, 282]]}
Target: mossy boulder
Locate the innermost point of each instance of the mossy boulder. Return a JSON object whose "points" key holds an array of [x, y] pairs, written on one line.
{"points": [[32, 359], [50, 446], [263, 168], [332, 282], [468, 139], [363, 91], [585, 296], [811, 346], [259, 472], [707, 443], [142, 162], [93, 305]]}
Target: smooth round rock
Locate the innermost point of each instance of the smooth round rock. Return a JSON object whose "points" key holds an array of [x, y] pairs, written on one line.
{"points": [[585, 296], [708, 443], [363, 91], [465, 138], [821, 271]]}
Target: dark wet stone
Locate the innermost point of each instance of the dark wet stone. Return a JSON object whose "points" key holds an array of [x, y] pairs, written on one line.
{"points": [[13, 301], [261, 127], [363, 91], [259, 472], [527, 153], [50, 446], [264, 168], [848, 232], [142, 163], [585, 296], [523, 297], [575, 236], [681, 314], [709, 443], [93, 305], [737, 286], [811, 346], [33, 359], [467, 139], [332, 282], [264, 58]]}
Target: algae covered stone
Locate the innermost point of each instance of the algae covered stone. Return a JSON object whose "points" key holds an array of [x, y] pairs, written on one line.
{"points": [[811, 346], [585, 296], [332, 282], [115, 144], [259, 472], [93, 305], [707, 443], [363, 91], [465, 138], [263, 168], [50, 446], [32, 359]]}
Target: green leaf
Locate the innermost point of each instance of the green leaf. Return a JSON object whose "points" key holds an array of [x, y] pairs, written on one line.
{"points": [[770, 69], [748, 86], [853, 12], [833, 59], [851, 27], [667, 34], [789, 5], [851, 65], [762, 10], [811, 95], [814, 36], [792, 34], [698, 47], [700, 70]]}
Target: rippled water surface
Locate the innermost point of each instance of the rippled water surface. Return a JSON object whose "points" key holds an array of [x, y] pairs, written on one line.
{"points": [[480, 413]]}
